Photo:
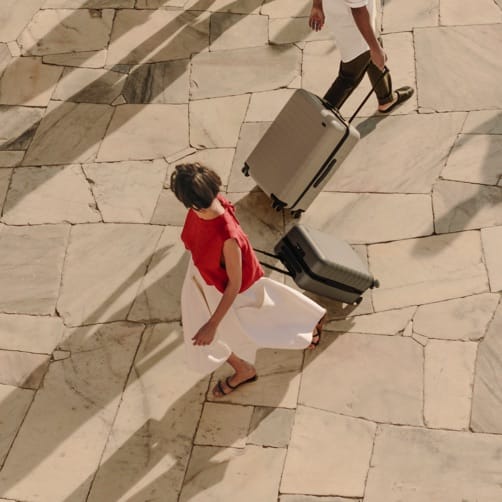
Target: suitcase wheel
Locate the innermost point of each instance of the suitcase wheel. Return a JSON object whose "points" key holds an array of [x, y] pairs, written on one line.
{"points": [[357, 301], [376, 284], [296, 213], [245, 170]]}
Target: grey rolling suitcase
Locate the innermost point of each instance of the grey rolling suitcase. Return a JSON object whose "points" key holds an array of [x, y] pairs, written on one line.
{"points": [[323, 264]]}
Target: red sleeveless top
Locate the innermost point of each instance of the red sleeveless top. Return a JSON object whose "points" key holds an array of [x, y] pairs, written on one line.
{"points": [[205, 238]]}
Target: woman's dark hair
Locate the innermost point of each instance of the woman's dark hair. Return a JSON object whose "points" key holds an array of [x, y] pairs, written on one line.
{"points": [[195, 185]]}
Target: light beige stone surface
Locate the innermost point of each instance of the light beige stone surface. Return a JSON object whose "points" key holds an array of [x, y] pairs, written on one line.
{"points": [[216, 122], [290, 30], [101, 287], [277, 384], [88, 85], [383, 383], [483, 122], [68, 133], [89, 4], [456, 53], [319, 66], [366, 218], [458, 319], [475, 159], [235, 31], [158, 296], [404, 16], [463, 206], [71, 416], [139, 132], [49, 195], [83, 59], [211, 76], [54, 31], [448, 379], [28, 82], [265, 106], [427, 270], [271, 427], [5, 176], [418, 464], [31, 262], [14, 404], [492, 244], [224, 425], [141, 36], [383, 323], [22, 369], [14, 16], [127, 191], [487, 393], [18, 126], [341, 463], [11, 159], [169, 210], [151, 439], [314, 498], [232, 465], [458, 12], [5, 57], [286, 8], [412, 167], [30, 333], [239, 7]]}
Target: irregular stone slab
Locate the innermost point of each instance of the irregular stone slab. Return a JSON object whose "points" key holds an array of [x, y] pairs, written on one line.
{"points": [[239, 7], [218, 474], [210, 76], [127, 191], [5, 176], [492, 244], [391, 322], [265, 106], [155, 4], [15, 16], [483, 122], [87, 85], [289, 30], [235, 31], [28, 82], [140, 132], [475, 159], [31, 261], [487, 393], [383, 383], [286, 8], [313, 498], [18, 125], [169, 210], [458, 319], [320, 65], [84, 59], [21, 369], [277, 385], [420, 464], [216, 122], [75, 409], [456, 13], [158, 297], [404, 16], [89, 4], [11, 159], [69, 133], [54, 31], [102, 286], [49, 195], [224, 425], [448, 379], [30, 333], [418, 271], [151, 440], [160, 35], [393, 216], [250, 135], [413, 166], [158, 83], [465, 206], [271, 427], [5, 57], [335, 471], [457, 54]]}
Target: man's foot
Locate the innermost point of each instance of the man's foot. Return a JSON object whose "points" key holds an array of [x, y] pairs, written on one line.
{"points": [[400, 96], [224, 387]]}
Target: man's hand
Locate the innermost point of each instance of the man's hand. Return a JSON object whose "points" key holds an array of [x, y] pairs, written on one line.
{"points": [[205, 335], [316, 19], [378, 57]]}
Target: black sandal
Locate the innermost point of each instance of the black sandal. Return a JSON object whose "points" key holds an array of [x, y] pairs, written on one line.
{"points": [[233, 387], [403, 94]]}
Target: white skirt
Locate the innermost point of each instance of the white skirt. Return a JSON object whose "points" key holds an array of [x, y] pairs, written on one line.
{"points": [[268, 314]]}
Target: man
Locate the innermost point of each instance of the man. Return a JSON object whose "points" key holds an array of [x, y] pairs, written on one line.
{"points": [[352, 23]]}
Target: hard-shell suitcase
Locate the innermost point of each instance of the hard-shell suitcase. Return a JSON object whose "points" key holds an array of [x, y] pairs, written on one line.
{"points": [[323, 264], [300, 151]]}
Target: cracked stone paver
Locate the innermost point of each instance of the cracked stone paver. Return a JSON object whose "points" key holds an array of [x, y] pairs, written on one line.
{"points": [[99, 101]]}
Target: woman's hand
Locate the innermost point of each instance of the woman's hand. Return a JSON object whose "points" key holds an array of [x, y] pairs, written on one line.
{"points": [[205, 335], [316, 19]]}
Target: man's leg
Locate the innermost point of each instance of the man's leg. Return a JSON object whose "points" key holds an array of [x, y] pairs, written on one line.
{"points": [[349, 77]]}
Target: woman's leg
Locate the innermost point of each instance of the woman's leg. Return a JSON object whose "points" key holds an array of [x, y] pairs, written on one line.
{"points": [[316, 334], [244, 372]]}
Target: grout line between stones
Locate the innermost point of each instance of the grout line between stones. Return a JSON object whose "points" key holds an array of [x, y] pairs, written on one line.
{"points": [[375, 434]]}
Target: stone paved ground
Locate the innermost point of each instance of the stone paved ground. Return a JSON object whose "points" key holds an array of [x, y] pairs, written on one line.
{"points": [[403, 400]]}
